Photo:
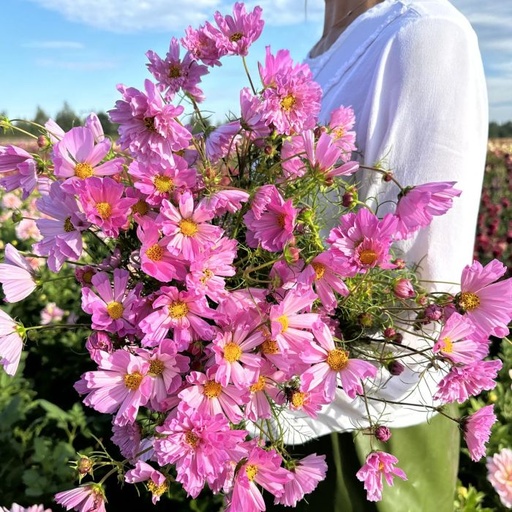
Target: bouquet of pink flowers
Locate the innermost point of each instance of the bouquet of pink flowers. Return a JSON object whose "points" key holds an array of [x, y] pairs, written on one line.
{"points": [[235, 283]]}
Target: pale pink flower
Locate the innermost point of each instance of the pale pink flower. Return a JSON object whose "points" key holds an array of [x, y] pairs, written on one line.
{"points": [[51, 313], [11, 343], [17, 276], [143, 472], [307, 473], [477, 430], [174, 74], [340, 126], [98, 342], [17, 169], [251, 118], [128, 439], [86, 498], [18, 508], [11, 201], [223, 141], [499, 473], [377, 465], [26, 229], [484, 299]]}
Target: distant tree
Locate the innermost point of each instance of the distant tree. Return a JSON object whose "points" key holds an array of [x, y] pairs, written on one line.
{"points": [[66, 118], [109, 127]]}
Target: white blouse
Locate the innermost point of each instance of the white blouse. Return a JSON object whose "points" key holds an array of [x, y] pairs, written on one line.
{"points": [[412, 72]]}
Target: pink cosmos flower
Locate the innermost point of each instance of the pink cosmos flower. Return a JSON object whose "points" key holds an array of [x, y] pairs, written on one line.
{"points": [[236, 33], [17, 276], [51, 313], [223, 141], [404, 289], [331, 365], [187, 227], [182, 311], [128, 439], [251, 118], [377, 465], [418, 205], [226, 200], [202, 46], [291, 98], [77, 157], [485, 300], [98, 342], [17, 169], [261, 467], [272, 227], [340, 126], [162, 179], [455, 340], [61, 229], [468, 380], [207, 396], [11, 343], [477, 430], [104, 205], [121, 384], [363, 240], [112, 307], [156, 481], [86, 498], [174, 74], [307, 473], [499, 473], [308, 402], [200, 445], [148, 126], [18, 508]]}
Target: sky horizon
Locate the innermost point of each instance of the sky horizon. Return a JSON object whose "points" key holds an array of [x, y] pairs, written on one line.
{"points": [[77, 51]]}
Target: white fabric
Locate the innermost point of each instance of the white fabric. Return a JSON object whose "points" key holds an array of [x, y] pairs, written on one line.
{"points": [[413, 74]]}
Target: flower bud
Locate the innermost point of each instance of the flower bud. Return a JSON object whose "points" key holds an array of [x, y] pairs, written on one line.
{"points": [[382, 433], [400, 263], [43, 142], [389, 333], [347, 199], [433, 312], [404, 289], [84, 465], [387, 176], [395, 367], [365, 320]]}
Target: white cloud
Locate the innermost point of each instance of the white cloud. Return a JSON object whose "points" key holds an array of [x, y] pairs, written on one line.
{"points": [[54, 45], [75, 65]]}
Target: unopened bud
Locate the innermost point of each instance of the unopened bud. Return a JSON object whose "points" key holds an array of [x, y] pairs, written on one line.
{"points": [[387, 176], [389, 333], [395, 368], [347, 200], [400, 263], [404, 289], [365, 320], [84, 465], [382, 433], [43, 142]]}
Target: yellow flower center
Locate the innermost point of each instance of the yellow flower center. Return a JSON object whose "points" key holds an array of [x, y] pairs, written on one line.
{"points": [[270, 346], [156, 367], [188, 227], [157, 490], [298, 399], [469, 301], [447, 345], [83, 171], [87, 276], [163, 183], [174, 71], [338, 133], [68, 226], [288, 102], [104, 210], [191, 439], [234, 38], [259, 385], [367, 257], [132, 380], [319, 270], [155, 252], [207, 274], [232, 352], [251, 470], [337, 359], [140, 207], [115, 310], [281, 220], [149, 123], [283, 320], [212, 389], [177, 309]]}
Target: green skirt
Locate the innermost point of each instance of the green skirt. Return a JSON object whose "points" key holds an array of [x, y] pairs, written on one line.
{"points": [[428, 453]]}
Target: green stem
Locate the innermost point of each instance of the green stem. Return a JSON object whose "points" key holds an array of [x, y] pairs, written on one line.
{"points": [[249, 76]]}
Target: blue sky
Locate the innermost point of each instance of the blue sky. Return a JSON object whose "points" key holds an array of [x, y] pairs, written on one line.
{"points": [[53, 51]]}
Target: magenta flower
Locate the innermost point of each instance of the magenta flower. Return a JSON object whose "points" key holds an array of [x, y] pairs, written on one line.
{"points": [[200, 445], [377, 465], [104, 205], [468, 380], [11, 343], [260, 467], [273, 226], [236, 33], [113, 306], [477, 430], [404, 289], [148, 126], [499, 473], [17, 169], [307, 473], [418, 205], [187, 228], [77, 156], [291, 98], [251, 118], [202, 46], [223, 141], [86, 498], [16, 275], [486, 301], [121, 385], [331, 365], [128, 439], [156, 482], [173, 74], [61, 228]]}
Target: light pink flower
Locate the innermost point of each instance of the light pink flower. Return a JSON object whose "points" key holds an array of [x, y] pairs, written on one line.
{"points": [[223, 141], [16, 275], [17, 169], [11, 343], [143, 472], [377, 465], [18, 508], [340, 126], [202, 46], [51, 313], [499, 473], [477, 430], [251, 118], [86, 498]]}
